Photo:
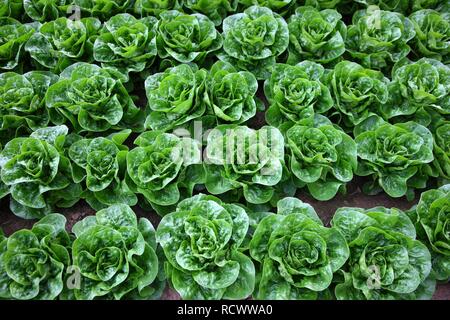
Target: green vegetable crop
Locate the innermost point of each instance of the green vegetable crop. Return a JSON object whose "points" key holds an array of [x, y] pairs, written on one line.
{"points": [[386, 261], [432, 217], [218, 120], [298, 255], [33, 262], [116, 255], [253, 39], [201, 241], [37, 173]]}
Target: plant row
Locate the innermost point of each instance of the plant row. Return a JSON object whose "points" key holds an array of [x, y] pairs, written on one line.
{"points": [[347, 89], [252, 40], [52, 168], [329, 114], [209, 249], [38, 10]]}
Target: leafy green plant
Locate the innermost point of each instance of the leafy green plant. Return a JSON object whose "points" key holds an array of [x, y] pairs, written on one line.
{"points": [[295, 94], [101, 163], [103, 9], [215, 10], [322, 4], [340, 97], [432, 34], [164, 168], [92, 100], [231, 94], [186, 38], [155, 7], [321, 157], [280, 6], [175, 97], [32, 262], [46, 10], [13, 36], [61, 42], [441, 6], [37, 173], [244, 161], [393, 155], [297, 254], [402, 6], [22, 102], [115, 254], [201, 241], [253, 39], [431, 217], [379, 38], [11, 8], [126, 44], [429, 4], [386, 262], [316, 35], [418, 89], [441, 151], [357, 92]]}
